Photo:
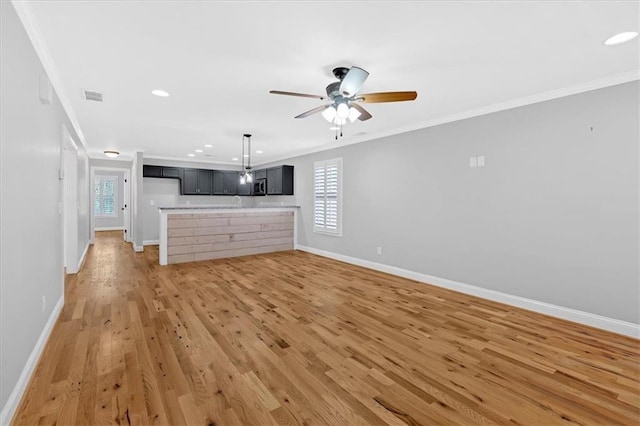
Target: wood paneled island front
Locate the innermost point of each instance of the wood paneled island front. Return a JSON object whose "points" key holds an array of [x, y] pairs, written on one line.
{"points": [[189, 234]]}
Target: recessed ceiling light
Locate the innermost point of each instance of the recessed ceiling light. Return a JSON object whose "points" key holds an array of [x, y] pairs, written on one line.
{"points": [[198, 150], [621, 38], [208, 146], [111, 154], [259, 152], [191, 155], [235, 159], [160, 93]]}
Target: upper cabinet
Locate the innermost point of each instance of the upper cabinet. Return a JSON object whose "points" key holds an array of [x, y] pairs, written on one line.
{"points": [[280, 180], [197, 182], [223, 182], [162, 172], [151, 171], [172, 172], [260, 174]]}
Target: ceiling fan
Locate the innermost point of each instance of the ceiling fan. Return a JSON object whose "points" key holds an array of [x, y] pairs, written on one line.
{"points": [[344, 98]]}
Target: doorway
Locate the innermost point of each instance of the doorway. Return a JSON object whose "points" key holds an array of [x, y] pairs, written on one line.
{"points": [[110, 200]]}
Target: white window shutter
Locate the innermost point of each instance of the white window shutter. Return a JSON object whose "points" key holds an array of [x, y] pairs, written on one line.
{"points": [[327, 183], [105, 190]]}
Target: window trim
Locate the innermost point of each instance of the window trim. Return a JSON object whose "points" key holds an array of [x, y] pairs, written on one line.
{"points": [[100, 197], [323, 230]]}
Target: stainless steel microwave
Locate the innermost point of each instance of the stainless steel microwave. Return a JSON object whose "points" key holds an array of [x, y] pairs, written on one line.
{"points": [[260, 187]]}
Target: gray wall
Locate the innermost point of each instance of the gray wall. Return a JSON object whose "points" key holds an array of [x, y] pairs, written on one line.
{"points": [[31, 261], [552, 217], [118, 221]]}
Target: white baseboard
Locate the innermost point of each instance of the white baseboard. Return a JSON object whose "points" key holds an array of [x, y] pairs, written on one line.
{"points": [[84, 255], [110, 228], [137, 248], [151, 242], [593, 320], [11, 406]]}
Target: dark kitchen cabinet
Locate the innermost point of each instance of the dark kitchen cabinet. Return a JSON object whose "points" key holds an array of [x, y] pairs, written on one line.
{"points": [[172, 172], [280, 180], [161, 172], [204, 182], [196, 182], [151, 171], [225, 182], [260, 174]]}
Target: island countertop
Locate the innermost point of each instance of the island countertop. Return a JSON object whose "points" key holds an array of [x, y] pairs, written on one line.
{"points": [[223, 207]]}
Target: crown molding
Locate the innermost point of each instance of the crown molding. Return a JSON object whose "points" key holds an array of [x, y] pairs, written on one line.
{"points": [[575, 89], [27, 17]]}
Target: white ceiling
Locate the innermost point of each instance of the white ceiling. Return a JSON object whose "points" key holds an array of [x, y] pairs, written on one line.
{"points": [[218, 60]]}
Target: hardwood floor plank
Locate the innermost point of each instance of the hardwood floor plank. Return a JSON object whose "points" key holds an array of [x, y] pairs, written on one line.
{"points": [[291, 338]]}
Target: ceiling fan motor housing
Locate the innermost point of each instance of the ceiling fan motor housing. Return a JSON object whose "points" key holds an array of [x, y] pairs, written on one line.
{"points": [[340, 72]]}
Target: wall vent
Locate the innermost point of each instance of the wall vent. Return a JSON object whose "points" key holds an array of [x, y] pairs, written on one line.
{"points": [[92, 96]]}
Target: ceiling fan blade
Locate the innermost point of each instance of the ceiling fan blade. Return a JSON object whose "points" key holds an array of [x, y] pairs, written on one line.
{"points": [[364, 114], [387, 97], [311, 111], [302, 95], [353, 81]]}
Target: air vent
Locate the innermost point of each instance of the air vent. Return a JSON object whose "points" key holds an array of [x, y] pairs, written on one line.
{"points": [[92, 96]]}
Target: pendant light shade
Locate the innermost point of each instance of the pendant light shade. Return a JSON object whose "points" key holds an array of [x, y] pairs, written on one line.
{"points": [[342, 111], [329, 114], [245, 172], [353, 114]]}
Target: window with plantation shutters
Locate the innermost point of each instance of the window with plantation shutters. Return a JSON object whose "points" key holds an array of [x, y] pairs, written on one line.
{"points": [[105, 192], [327, 188]]}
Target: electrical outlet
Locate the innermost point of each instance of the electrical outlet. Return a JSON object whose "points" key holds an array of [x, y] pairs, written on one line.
{"points": [[480, 160], [379, 251], [473, 161], [44, 304], [152, 202]]}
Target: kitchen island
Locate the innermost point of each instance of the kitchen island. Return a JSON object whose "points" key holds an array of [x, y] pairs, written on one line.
{"points": [[194, 233]]}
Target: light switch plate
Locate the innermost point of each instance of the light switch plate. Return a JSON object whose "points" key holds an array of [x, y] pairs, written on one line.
{"points": [[473, 162], [480, 160]]}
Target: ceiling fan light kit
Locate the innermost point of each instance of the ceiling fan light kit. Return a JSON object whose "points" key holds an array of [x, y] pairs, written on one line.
{"points": [[344, 98]]}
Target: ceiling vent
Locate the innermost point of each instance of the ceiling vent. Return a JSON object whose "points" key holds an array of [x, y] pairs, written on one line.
{"points": [[92, 96]]}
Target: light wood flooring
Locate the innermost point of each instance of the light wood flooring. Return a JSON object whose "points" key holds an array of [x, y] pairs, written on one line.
{"points": [[292, 338]]}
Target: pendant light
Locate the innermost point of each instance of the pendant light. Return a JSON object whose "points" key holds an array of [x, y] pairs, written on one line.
{"points": [[245, 174]]}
